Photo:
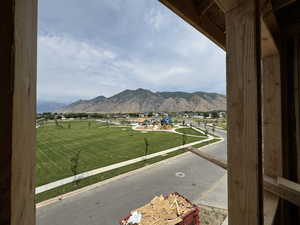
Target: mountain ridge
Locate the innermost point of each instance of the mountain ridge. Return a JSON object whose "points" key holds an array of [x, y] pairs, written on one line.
{"points": [[143, 100]]}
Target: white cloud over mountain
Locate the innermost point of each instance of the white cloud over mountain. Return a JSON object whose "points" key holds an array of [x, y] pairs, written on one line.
{"points": [[91, 48]]}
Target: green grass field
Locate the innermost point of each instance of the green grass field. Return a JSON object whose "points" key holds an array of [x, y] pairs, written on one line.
{"points": [[99, 146], [222, 124], [103, 176], [189, 131]]}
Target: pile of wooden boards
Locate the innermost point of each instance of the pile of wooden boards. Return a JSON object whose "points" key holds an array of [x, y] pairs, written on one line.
{"points": [[164, 210]]}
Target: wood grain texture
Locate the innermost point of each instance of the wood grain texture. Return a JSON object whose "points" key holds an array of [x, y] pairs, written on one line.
{"points": [[283, 188], [6, 78], [270, 30], [274, 187], [24, 113], [227, 5], [208, 157], [297, 103], [243, 105], [289, 212], [272, 135], [271, 203], [187, 10], [18, 95], [297, 98]]}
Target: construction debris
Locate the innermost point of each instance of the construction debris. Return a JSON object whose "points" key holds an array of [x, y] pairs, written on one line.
{"points": [[162, 210]]}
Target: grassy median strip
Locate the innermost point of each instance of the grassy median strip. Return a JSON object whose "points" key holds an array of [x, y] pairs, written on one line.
{"points": [[64, 147], [103, 176], [206, 143], [189, 131]]}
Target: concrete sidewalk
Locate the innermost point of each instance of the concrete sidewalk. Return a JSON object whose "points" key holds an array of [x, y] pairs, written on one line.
{"points": [[216, 196]]}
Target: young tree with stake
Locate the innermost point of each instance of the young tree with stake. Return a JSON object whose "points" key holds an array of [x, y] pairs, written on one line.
{"points": [[146, 147], [74, 165]]}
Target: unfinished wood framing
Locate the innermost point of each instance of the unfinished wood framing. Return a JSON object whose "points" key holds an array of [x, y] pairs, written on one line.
{"points": [[283, 188], [18, 42], [278, 4], [188, 11], [272, 136], [297, 102], [274, 187], [250, 24], [243, 110], [297, 99], [208, 157]]}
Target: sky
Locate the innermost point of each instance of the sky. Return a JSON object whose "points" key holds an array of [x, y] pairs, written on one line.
{"points": [[101, 47]]}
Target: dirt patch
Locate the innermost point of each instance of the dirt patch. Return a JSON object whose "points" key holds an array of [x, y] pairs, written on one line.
{"points": [[212, 216]]}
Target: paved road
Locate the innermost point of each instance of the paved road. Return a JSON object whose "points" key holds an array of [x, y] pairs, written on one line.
{"points": [[106, 204]]}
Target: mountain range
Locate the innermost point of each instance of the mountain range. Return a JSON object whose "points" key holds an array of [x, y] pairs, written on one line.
{"points": [[49, 106], [142, 100]]}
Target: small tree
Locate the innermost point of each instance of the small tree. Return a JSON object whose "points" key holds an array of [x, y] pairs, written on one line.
{"points": [[184, 138], [57, 124], [146, 147], [206, 132], [215, 114], [74, 165]]}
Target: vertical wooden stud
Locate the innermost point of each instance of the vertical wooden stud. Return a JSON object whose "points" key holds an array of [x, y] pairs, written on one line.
{"points": [[244, 114], [18, 41], [272, 135]]}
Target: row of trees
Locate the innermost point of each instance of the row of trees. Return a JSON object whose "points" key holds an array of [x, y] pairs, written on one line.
{"points": [[52, 116]]}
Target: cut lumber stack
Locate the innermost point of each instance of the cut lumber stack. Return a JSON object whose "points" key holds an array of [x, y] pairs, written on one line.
{"points": [[173, 209]]}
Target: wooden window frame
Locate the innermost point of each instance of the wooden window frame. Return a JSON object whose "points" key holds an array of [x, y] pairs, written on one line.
{"points": [[18, 59]]}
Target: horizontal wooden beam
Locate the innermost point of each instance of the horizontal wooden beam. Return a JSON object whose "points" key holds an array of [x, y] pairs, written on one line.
{"points": [[227, 5], [279, 186], [204, 6], [208, 157], [188, 12], [283, 188]]}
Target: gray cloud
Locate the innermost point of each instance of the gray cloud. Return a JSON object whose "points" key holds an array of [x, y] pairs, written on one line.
{"points": [[91, 48]]}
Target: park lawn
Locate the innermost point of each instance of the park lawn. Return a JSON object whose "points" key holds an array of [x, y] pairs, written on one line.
{"points": [[222, 125], [109, 174], [207, 143], [189, 131], [99, 146]]}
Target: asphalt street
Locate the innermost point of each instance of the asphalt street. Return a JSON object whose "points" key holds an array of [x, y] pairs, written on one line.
{"points": [[186, 174]]}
